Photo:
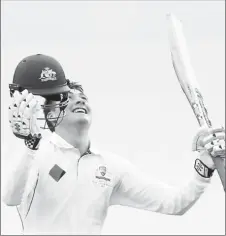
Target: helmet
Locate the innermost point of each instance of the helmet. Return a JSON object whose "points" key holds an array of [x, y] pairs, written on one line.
{"points": [[44, 76], [40, 75]]}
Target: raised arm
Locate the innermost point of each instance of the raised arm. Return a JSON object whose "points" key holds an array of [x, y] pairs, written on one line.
{"points": [[139, 190], [135, 189], [22, 118]]}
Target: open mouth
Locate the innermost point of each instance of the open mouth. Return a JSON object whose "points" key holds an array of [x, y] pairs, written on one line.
{"points": [[80, 110]]}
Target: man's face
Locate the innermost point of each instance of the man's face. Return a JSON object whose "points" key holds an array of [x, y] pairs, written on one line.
{"points": [[78, 111]]}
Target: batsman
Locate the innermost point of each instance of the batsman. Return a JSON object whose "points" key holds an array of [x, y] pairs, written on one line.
{"points": [[61, 184]]}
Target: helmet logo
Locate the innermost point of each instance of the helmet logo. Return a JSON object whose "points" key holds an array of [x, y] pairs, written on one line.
{"points": [[47, 74]]}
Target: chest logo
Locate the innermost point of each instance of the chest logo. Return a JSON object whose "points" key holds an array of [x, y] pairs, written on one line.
{"points": [[102, 170], [102, 176], [101, 173]]}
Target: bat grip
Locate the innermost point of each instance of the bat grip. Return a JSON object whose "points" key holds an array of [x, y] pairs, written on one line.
{"points": [[220, 166]]}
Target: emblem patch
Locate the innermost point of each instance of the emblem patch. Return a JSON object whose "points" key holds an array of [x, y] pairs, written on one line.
{"points": [[56, 173], [103, 177], [47, 74], [102, 170]]}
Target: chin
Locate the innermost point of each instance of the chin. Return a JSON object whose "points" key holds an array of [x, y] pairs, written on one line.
{"points": [[83, 121]]}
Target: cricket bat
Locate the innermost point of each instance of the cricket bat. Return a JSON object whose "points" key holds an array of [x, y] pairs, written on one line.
{"points": [[188, 82]]}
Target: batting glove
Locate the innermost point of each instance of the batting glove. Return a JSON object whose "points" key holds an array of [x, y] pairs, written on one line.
{"points": [[22, 117], [209, 142]]}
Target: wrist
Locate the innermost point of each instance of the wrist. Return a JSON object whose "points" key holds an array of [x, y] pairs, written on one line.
{"points": [[34, 142], [202, 169], [30, 153]]}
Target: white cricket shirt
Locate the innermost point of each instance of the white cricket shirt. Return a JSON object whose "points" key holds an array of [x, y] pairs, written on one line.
{"points": [[70, 194]]}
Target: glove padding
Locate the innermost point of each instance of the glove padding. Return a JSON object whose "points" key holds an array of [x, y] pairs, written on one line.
{"points": [[209, 142], [22, 117]]}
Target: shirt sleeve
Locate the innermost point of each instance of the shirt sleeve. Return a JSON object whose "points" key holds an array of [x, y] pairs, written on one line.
{"points": [[29, 191], [135, 189]]}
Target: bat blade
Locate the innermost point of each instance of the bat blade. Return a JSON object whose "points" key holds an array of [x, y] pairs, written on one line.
{"points": [[188, 82], [184, 70]]}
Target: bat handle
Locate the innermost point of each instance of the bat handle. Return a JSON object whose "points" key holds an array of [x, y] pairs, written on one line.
{"points": [[220, 166]]}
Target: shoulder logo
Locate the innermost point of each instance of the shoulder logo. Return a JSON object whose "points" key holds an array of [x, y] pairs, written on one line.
{"points": [[47, 74]]}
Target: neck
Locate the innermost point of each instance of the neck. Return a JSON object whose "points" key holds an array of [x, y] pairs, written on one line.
{"points": [[78, 139]]}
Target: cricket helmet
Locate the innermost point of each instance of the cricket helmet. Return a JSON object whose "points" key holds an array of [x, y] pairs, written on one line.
{"points": [[41, 75], [44, 76]]}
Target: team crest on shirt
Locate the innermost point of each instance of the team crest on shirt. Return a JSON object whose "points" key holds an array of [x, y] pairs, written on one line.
{"points": [[102, 170], [102, 176], [47, 74]]}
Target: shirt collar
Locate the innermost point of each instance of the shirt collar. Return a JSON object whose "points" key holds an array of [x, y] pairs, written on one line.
{"points": [[62, 143]]}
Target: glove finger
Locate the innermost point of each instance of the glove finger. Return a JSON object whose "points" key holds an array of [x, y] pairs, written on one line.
{"points": [[212, 137], [30, 108], [216, 148], [13, 107], [216, 130], [215, 143], [38, 117], [19, 97], [25, 103], [34, 127], [218, 151], [15, 103], [27, 110], [222, 143], [12, 114], [15, 123], [209, 147], [197, 141], [41, 100]]}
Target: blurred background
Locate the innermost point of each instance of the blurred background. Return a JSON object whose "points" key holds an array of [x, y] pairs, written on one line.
{"points": [[119, 51]]}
